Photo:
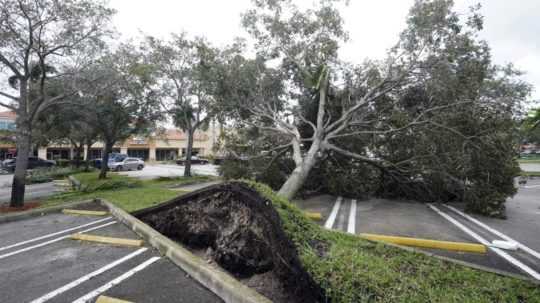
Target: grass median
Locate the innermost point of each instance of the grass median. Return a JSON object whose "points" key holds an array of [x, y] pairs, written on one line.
{"points": [[128, 193], [530, 173], [351, 269], [534, 160]]}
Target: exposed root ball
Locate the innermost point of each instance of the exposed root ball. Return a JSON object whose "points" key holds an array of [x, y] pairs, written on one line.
{"points": [[243, 234]]}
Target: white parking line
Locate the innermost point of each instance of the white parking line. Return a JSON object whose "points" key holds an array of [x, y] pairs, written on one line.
{"points": [[494, 231], [352, 218], [498, 251], [332, 218], [531, 186], [50, 241], [53, 234], [87, 277], [89, 296]]}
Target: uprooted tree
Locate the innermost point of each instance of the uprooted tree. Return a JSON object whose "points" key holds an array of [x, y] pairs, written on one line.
{"points": [[425, 117], [42, 40]]}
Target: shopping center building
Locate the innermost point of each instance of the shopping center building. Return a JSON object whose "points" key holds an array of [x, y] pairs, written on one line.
{"points": [[165, 145]]}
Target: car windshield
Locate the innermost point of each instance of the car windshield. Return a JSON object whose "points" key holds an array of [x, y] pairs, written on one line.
{"points": [[117, 159]]}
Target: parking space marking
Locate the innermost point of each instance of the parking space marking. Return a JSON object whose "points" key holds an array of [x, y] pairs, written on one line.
{"points": [[89, 296], [332, 218], [53, 234], [352, 218], [51, 241], [495, 232], [87, 277], [498, 251]]}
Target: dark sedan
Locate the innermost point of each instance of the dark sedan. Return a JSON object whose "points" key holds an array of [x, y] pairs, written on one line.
{"points": [[33, 162], [194, 160]]}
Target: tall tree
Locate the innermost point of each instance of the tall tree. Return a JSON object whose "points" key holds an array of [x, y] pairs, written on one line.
{"points": [[67, 124], [122, 102], [185, 72], [39, 39]]}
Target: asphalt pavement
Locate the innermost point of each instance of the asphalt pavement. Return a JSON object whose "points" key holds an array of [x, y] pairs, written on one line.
{"points": [[153, 171], [413, 219], [32, 192], [530, 166], [39, 263]]}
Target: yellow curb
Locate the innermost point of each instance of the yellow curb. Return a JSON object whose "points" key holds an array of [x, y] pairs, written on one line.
{"points": [[107, 240], [84, 212], [105, 299], [313, 216], [456, 246]]}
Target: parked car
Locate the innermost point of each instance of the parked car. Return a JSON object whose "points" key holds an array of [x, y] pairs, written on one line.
{"points": [[97, 162], [125, 163], [33, 162], [194, 160]]}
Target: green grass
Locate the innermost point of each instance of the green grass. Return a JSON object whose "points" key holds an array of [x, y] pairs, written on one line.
{"points": [[357, 270], [530, 173], [128, 193], [533, 161], [48, 174], [530, 159]]}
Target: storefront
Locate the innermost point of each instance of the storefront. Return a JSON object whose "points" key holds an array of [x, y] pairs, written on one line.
{"points": [[194, 152], [7, 153], [166, 154], [58, 153], [141, 153]]}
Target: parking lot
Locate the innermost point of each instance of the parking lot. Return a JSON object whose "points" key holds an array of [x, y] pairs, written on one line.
{"points": [[439, 222], [33, 191], [40, 263], [152, 171]]}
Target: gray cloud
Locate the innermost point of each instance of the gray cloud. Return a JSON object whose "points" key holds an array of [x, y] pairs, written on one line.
{"points": [[511, 27]]}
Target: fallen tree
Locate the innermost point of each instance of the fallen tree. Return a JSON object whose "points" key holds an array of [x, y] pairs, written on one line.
{"points": [[420, 117]]}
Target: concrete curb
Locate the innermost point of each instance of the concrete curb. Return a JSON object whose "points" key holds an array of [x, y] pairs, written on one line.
{"points": [[36, 212], [216, 280], [462, 263]]}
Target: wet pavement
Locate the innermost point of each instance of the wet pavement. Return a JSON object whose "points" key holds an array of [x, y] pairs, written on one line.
{"points": [[39, 263]]}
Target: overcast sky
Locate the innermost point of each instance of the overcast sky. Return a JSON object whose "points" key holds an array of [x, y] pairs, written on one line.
{"points": [[511, 27]]}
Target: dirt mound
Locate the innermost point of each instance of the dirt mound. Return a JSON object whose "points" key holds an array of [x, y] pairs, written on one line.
{"points": [[242, 232]]}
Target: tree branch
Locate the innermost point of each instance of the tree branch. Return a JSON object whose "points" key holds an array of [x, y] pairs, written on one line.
{"points": [[9, 96], [11, 66], [8, 106]]}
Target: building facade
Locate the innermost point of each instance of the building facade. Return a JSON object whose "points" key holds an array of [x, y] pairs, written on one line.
{"points": [[169, 144]]}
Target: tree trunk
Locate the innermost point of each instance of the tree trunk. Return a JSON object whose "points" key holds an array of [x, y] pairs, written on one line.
{"points": [[105, 160], [295, 181], [78, 153], [189, 150], [88, 154], [19, 177], [300, 174]]}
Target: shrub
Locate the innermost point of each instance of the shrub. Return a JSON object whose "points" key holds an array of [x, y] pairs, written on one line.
{"points": [[111, 185], [235, 169], [47, 174], [63, 162], [91, 183]]}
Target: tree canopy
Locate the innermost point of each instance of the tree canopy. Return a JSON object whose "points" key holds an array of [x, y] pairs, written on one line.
{"points": [[435, 120]]}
